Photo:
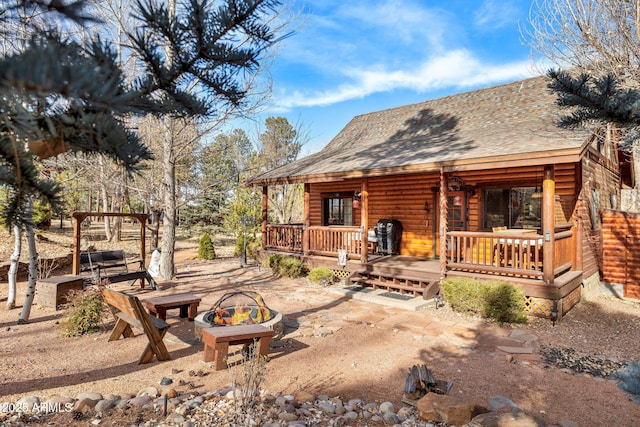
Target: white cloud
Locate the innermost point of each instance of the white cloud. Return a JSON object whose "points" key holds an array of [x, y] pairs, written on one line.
{"points": [[457, 69], [364, 31], [347, 50], [494, 14]]}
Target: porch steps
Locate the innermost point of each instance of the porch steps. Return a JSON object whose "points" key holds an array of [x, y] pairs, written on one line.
{"points": [[426, 287]]}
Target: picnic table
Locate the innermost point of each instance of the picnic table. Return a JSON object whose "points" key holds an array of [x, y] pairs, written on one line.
{"points": [[186, 302]]}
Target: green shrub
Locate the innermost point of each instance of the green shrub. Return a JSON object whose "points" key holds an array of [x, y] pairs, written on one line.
{"points": [[505, 303], [501, 301], [291, 267], [317, 274], [253, 249], [41, 215], [253, 246], [286, 265], [205, 247], [84, 313], [274, 262], [464, 294]]}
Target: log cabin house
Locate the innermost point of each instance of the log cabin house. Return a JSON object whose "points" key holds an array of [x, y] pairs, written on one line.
{"points": [[481, 184]]}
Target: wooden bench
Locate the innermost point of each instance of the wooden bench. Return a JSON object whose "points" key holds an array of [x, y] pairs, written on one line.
{"points": [[113, 267], [218, 339], [187, 303], [129, 312]]}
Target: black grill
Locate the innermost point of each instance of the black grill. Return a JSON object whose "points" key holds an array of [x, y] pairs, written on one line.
{"points": [[388, 232]]}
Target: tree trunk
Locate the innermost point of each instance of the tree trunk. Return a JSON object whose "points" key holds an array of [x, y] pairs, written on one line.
{"points": [[33, 268], [13, 269], [169, 219], [167, 248], [105, 200], [117, 205], [155, 227], [636, 175]]}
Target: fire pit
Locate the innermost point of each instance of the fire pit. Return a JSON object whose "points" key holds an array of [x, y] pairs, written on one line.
{"points": [[240, 308]]}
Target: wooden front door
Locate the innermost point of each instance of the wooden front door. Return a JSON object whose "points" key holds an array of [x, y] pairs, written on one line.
{"points": [[456, 216]]}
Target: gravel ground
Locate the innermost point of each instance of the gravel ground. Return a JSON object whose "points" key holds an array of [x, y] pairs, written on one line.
{"points": [[363, 357]]}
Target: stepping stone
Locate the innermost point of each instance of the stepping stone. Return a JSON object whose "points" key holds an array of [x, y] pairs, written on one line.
{"points": [[515, 350], [522, 336]]}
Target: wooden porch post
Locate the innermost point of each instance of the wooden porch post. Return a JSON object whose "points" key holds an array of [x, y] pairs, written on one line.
{"points": [[577, 247], [443, 223], [548, 224], [364, 221], [307, 219], [265, 214]]}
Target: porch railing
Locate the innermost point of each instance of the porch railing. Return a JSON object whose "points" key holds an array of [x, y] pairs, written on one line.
{"points": [[510, 254], [324, 241], [565, 247], [284, 237], [327, 241]]}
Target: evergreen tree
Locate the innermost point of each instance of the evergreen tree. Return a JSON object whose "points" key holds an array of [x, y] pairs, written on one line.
{"points": [[281, 144], [595, 99], [601, 99], [61, 95], [206, 250]]}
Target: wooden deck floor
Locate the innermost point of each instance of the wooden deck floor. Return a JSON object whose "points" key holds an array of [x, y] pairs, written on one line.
{"points": [[403, 261]]}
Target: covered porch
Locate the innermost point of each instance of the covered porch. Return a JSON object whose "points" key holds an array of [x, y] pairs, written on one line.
{"points": [[516, 256], [543, 261]]}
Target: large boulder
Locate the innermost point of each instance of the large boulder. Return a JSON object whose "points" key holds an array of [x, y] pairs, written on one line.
{"points": [[451, 410]]}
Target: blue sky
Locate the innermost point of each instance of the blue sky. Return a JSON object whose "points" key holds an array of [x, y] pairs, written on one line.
{"points": [[351, 57]]}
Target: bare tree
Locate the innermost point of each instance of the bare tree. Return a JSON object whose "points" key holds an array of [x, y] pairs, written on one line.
{"points": [[599, 38], [213, 48], [596, 36], [281, 144]]}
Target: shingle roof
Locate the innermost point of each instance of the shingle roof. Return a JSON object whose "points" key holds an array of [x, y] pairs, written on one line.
{"points": [[511, 121]]}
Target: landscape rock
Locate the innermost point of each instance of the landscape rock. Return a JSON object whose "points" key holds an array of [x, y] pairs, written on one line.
{"points": [[92, 396], [287, 416], [506, 417], [448, 409], [498, 402], [58, 401], [386, 407], [85, 404], [149, 391], [390, 418], [327, 407], [174, 418], [105, 405], [140, 400], [27, 404], [304, 396]]}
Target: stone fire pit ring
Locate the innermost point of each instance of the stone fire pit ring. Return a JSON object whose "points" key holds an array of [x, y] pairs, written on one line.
{"points": [[236, 305]]}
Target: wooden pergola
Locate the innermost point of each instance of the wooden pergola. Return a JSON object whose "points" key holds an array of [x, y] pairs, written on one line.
{"points": [[79, 217]]}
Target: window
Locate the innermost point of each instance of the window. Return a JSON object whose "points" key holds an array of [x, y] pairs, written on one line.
{"points": [[514, 207], [338, 211]]}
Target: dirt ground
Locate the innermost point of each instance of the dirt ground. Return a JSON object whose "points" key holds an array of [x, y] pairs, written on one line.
{"points": [[333, 346]]}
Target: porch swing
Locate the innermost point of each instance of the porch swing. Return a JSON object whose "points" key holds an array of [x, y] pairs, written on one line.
{"points": [[110, 266]]}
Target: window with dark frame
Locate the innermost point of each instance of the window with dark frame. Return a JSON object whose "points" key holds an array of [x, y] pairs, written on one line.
{"points": [[513, 207], [338, 210]]}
